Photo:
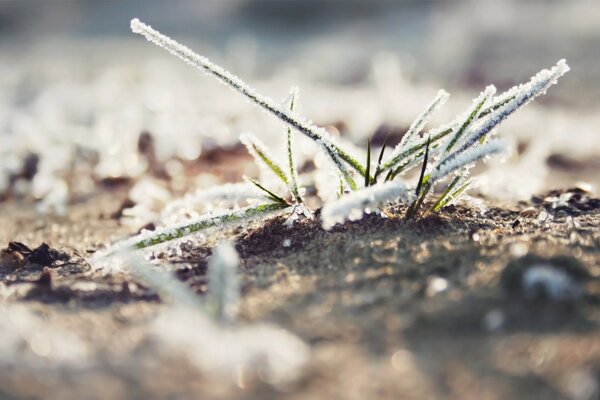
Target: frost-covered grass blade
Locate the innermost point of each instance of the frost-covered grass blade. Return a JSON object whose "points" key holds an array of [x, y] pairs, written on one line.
{"points": [[177, 231], [293, 172], [262, 157], [339, 157]]}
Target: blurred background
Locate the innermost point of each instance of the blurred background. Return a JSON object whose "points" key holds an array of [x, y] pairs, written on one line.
{"points": [[77, 87]]}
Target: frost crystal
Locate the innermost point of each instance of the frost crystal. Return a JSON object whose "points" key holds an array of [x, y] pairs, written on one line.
{"points": [[177, 231], [463, 158], [420, 122], [163, 281], [299, 211], [317, 134], [517, 98], [353, 205], [229, 194]]}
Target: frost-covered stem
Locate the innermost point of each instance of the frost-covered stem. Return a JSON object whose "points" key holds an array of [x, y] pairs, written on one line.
{"points": [[223, 283], [499, 105], [352, 206], [471, 116], [465, 158], [436, 135], [293, 182], [233, 82], [539, 84], [231, 193], [411, 135], [440, 99], [162, 235]]}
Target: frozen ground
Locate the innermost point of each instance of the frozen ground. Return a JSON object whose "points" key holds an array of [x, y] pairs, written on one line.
{"points": [[495, 298]]}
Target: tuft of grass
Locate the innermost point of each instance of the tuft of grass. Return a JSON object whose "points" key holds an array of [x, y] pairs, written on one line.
{"points": [[448, 151]]}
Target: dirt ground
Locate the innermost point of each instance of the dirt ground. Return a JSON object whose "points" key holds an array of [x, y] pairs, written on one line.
{"points": [[425, 309]]}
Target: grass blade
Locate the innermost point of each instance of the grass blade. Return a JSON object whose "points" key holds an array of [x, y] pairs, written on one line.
{"points": [[380, 158], [368, 172], [315, 133], [293, 173], [148, 239], [472, 116], [437, 206], [450, 198], [423, 168], [271, 195], [261, 155]]}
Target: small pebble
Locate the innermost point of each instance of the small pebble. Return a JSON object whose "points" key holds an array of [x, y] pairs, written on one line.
{"points": [[11, 259], [529, 212], [436, 285]]}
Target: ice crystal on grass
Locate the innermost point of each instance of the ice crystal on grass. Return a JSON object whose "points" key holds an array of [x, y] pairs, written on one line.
{"points": [[441, 152], [147, 239], [226, 195], [419, 123], [516, 98], [319, 135], [277, 356], [353, 205], [163, 281]]}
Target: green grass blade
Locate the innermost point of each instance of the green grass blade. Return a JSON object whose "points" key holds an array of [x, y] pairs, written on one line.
{"points": [[293, 173], [441, 200], [454, 195], [368, 172], [380, 158], [472, 117], [423, 168], [269, 193], [219, 220]]}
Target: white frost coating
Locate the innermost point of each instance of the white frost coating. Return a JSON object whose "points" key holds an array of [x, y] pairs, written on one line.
{"points": [[411, 135], [458, 160], [521, 96], [223, 284], [225, 195], [233, 82], [292, 170], [221, 220], [299, 211], [466, 120], [555, 283], [352, 206]]}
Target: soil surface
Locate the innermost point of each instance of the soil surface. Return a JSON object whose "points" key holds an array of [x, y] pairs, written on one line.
{"points": [[437, 307]]}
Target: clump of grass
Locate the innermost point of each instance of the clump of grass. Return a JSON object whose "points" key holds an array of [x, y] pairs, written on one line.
{"points": [[446, 152], [449, 151]]}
